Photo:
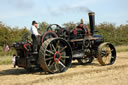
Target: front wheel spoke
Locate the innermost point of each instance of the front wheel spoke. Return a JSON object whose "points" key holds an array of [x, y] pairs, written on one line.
{"points": [[105, 60], [112, 57], [63, 48], [50, 52], [112, 50], [108, 49], [109, 58]]}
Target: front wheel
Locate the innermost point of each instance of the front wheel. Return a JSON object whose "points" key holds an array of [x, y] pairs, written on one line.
{"points": [[106, 54]]}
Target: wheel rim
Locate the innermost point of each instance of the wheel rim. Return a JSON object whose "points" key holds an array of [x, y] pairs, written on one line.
{"points": [[106, 54], [57, 56]]}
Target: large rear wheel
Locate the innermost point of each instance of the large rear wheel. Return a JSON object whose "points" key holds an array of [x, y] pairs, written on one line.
{"points": [[106, 54], [55, 55]]}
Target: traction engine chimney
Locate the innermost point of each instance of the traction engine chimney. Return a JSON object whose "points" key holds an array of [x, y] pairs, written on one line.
{"points": [[92, 22]]}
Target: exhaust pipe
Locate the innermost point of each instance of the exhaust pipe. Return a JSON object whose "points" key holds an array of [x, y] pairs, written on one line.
{"points": [[92, 22]]}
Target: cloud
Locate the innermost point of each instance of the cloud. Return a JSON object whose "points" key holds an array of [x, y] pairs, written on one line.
{"points": [[20, 4], [12, 15], [16, 8]]}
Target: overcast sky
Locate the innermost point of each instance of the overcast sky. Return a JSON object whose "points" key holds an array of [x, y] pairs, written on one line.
{"points": [[21, 12]]}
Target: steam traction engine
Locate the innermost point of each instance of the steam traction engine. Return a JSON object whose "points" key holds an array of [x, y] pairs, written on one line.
{"points": [[59, 46]]}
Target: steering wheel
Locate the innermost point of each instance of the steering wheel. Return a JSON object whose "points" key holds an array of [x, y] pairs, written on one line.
{"points": [[61, 32]]}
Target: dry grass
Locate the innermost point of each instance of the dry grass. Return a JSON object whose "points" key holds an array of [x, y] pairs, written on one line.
{"points": [[4, 60], [94, 74], [122, 48]]}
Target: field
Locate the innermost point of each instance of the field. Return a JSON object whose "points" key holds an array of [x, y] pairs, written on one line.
{"points": [[94, 74], [4, 60]]}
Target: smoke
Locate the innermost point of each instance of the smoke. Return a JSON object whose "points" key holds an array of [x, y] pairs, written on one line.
{"points": [[66, 9], [30, 4], [83, 9]]}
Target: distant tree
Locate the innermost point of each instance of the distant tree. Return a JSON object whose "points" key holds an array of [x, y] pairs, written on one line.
{"points": [[4, 33], [43, 26], [118, 35], [69, 25]]}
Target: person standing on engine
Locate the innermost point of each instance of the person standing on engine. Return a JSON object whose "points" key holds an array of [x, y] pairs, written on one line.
{"points": [[34, 35]]}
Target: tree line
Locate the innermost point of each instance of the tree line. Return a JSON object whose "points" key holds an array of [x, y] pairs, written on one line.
{"points": [[118, 35]]}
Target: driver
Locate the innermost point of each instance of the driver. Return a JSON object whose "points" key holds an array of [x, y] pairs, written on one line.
{"points": [[34, 35], [83, 27]]}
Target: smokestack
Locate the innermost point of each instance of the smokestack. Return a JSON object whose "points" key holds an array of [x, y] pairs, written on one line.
{"points": [[92, 22]]}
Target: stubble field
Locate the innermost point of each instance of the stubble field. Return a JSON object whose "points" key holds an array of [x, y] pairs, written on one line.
{"points": [[93, 74]]}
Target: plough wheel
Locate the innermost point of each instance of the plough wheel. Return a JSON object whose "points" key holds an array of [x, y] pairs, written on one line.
{"points": [[55, 55], [106, 54]]}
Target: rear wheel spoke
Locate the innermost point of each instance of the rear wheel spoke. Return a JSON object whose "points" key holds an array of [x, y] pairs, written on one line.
{"points": [[63, 48], [64, 56], [53, 47], [63, 60], [50, 52], [50, 47], [52, 65], [50, 58], [62, 64], [49, 62], [57, 67], [47, 54], [58, 45]]}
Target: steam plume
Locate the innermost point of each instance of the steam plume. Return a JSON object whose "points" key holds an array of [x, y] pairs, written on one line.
{"points": [[65, 9]]}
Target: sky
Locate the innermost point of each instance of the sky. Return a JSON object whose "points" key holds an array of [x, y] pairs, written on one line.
{"points": [[22, 12]]}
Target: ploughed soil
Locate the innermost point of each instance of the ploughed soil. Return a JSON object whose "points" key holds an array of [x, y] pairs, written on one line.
{"points": [[93, 74]]}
